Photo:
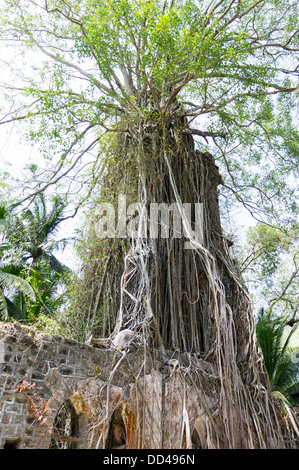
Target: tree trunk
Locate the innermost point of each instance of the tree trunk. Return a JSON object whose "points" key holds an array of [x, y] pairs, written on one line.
{"points": [[187, 308]]}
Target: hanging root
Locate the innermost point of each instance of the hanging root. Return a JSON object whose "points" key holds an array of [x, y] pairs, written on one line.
{"points": [[191, 303]]}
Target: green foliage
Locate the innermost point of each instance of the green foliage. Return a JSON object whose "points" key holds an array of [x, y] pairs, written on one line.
{"points": [[50, 325], [28, 265], [110, 64], [12, 283], [274, 340], [270, 242], [269, 263]]}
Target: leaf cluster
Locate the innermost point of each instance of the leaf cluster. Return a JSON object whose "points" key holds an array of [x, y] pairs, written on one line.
{"points": [[110, 65], [274, 340], [31, 276]]}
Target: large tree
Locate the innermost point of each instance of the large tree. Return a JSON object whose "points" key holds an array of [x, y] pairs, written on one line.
{"points": [[124, 90]]}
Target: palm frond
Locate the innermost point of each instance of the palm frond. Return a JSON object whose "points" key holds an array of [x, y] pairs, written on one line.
{"points": [[10, 281], [14, 311], [4, 316], [283, 372], [57, 266]]}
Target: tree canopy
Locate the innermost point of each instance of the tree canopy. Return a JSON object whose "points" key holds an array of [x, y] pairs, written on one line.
{"points": [[128, 96], [270, 266], [96, 66]]}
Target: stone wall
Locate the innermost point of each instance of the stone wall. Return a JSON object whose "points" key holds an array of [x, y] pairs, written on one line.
{"points": [[56, 366], [58, 393]]}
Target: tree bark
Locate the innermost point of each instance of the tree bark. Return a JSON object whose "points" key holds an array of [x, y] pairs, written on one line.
{"points": [[187, 307]]}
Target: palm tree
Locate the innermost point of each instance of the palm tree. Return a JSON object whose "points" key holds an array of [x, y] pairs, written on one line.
{"points": [[33, 230], [274, 340], [10, 280], [12, 283], [28, 253]]}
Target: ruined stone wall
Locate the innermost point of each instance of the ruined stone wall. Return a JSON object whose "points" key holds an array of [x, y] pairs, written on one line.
{"points": [[93, 397], [55, 365]]}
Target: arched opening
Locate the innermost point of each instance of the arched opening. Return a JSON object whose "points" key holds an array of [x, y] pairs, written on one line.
{"points": [[195, 439], [65, 432], [116, 437], [199, 433], [12, 443]]}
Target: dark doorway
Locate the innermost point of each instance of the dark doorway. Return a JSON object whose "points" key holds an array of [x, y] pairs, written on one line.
{"points": [[65, 431], [116, 438], [12, 443]]}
